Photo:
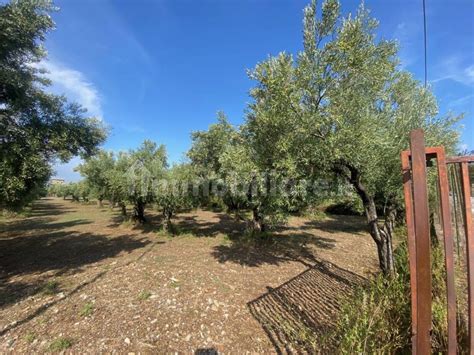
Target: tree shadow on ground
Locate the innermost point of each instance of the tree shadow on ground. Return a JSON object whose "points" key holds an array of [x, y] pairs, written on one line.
{"points": [[154, 221], [44, 307], [274, 249], [224, 224], [184, 224], [18, 227], [42, 208], [297, 315], [54, 253]]}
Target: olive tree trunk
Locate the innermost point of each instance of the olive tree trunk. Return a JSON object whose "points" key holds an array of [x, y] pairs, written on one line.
{"points": [[258, 224], [139, 211], [123, 208], [382, 234], [167, 215]]}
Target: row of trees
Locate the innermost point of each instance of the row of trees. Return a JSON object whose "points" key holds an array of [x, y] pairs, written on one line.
{"points": [[138, 177], [341, 108], [36, 127], [340, 111]]}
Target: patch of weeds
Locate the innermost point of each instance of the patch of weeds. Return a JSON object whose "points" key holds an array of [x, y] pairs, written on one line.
{"points": [[315, 214], [60, 344], [87, 310], [30, 337], [144, 295], [226, 241], [50, 288]]}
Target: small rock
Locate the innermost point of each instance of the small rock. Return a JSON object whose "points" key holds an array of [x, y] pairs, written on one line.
{"points": [[188, 337], [127, 341]]}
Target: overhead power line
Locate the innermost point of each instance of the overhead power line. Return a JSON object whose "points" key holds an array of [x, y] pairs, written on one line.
{"points": [[424, 27]]}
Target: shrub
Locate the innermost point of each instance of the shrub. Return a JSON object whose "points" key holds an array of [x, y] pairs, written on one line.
{"points": [[378, 318], [350, 205]]}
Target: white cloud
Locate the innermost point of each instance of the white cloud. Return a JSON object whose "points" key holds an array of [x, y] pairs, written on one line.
{"points": [[454, 69], [74, 85], [462, 100], [470, 73]]}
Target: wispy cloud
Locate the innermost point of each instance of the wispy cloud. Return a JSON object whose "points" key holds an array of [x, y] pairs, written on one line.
{"points": [[455, 69], [74, 85], [462, 100]]}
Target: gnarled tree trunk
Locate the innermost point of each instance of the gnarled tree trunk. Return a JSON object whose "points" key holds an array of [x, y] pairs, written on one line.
{"points": [[139, 211], [381, 234], [167, 214], [258, 224], [123, 209]]}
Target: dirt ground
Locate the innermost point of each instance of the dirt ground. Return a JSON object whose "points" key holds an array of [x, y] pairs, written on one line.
{"points": [[72, 276]]}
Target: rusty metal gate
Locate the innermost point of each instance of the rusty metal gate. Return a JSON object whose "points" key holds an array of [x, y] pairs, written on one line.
{"points": [[414, 163]]}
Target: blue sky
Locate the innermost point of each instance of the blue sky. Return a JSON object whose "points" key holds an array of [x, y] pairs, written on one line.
{"points": [[160, 69]]}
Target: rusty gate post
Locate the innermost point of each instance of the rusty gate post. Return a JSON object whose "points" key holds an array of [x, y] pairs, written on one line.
{"points": [[443, 184], [466, 186], [407, 191], [423, 265]]}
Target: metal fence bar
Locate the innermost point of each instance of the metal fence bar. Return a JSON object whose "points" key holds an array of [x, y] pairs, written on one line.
{"points": [[460, 159], [423, 264], [408, 191], [443, 184], [466, 187]]}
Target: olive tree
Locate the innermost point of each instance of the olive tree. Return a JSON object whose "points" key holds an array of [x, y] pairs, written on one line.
{"points": [[96, 170], [36, 128], [174, 192], [146, 165], [345, 107]]}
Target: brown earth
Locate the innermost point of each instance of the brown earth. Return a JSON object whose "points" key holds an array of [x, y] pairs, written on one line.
{"points": [[72, 275]]}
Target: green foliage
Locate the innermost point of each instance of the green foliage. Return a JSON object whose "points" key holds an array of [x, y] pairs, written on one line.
{"points": [[343, 100], [50, 288], [77, 191], [144, 295], [349, 204], [174, 192], [87, 309], [208, 145], [60, 344], [378, 318], [343, 107], [30, 337], [36, 128], [96, 169]]}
